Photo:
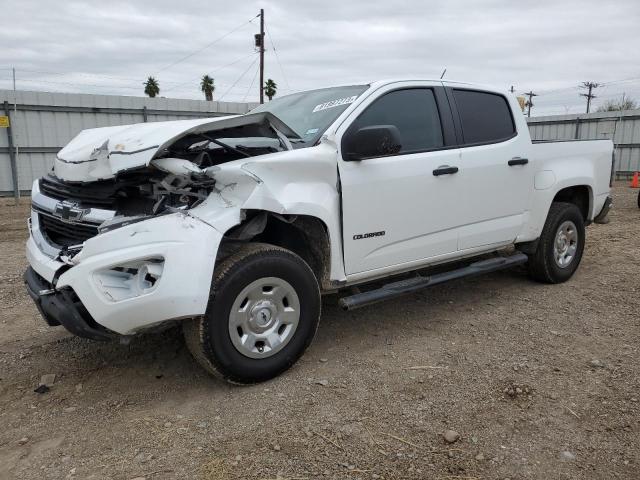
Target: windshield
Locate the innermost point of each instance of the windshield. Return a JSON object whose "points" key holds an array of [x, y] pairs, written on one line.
{"points": [[310, 113]]}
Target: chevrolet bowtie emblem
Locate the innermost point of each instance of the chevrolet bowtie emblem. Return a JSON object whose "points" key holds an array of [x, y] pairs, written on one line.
{"points": [[69, 211]]}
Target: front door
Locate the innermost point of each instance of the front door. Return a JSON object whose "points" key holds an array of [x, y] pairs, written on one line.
{"points": [[402, 208]]}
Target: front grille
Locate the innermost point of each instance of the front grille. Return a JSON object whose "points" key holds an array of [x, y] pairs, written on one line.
{"points": [[63, 233], [99, 194]]}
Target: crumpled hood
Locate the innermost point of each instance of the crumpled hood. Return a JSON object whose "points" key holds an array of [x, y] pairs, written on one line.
{"points": [[101, 153]]}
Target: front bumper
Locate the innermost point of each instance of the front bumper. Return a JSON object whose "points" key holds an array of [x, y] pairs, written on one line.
{"points": [[62, 307], [178, 249]]}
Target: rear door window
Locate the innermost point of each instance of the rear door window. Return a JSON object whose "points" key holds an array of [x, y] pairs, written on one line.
{"points": [[485, 117]]}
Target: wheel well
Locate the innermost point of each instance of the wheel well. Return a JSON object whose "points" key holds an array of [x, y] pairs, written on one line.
{"points": [[304, 235], [578, 195]]}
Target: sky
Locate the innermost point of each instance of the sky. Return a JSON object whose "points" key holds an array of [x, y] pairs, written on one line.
{"points": [[111, 47]]}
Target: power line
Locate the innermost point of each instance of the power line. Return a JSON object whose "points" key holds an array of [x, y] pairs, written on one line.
{"points": [[215, 71], [72, 84], [278, 58], [250, 86], [632, 79], [75, 84], [96, 75], [206, 46], [239, 78], [557, 90], [564, 89]]}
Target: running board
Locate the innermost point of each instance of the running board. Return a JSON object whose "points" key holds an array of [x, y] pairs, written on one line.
{"points": [[410, 285]]}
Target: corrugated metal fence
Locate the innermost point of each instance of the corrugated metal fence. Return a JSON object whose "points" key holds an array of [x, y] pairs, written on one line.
{"points": [[621, 127], [41, 123]]}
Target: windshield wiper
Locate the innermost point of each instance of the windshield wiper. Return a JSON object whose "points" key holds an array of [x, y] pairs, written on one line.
{"points": [[224, 145]]}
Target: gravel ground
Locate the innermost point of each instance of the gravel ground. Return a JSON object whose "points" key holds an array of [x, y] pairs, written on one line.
{"points": [[538, 381]]}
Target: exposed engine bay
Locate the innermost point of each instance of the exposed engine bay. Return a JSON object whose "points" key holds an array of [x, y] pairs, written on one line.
{"points": [[178, 176]]}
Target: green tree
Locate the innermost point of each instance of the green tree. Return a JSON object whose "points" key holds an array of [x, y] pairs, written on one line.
{"points": [[270, 88], [151, 87], [207, 86]]}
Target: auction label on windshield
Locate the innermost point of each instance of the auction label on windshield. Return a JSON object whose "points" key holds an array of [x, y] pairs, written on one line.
{"points": [[334, 103]]}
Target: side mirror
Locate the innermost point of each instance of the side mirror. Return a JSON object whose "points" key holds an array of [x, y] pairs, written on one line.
{"points": [[371, 142]]}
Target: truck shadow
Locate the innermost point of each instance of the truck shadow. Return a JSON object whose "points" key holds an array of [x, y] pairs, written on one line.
{"points": [[159, 362]]}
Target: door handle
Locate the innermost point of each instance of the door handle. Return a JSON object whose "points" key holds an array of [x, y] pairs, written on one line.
{"points": [[518, 161], [445, 170]]}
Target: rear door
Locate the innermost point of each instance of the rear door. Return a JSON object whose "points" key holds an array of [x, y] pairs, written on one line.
{"points": [[496, 176], [396, 210]]}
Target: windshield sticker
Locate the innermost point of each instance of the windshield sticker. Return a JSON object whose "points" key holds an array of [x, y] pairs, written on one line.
{"points": [[334, 103], [311, 131]]}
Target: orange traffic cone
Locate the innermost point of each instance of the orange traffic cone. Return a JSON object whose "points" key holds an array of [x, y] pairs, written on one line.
{"points": [[635, 181]]}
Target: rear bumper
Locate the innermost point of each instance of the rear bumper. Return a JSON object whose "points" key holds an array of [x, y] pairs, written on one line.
{"points": [[602, 216], [62, 307]]}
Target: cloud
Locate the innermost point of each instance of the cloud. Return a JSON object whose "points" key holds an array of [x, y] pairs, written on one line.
{"points": [[111, 47]]}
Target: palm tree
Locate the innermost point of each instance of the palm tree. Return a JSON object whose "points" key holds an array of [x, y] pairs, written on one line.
{"points": [[270, 88], [151, 87], [207, 86]]}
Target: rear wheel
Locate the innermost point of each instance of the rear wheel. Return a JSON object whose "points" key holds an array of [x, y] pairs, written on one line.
{"points": [[263, 313], [560, 246]]}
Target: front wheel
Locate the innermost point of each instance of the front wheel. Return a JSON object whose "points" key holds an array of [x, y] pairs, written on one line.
{"points": [[560, 246], [263, 312]]}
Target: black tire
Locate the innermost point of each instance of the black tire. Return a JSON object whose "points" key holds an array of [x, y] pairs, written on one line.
{"points": [[208, 338], [542, 264]]}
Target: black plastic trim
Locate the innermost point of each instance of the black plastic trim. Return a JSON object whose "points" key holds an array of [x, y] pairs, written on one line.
{"points": [[600, 218], [446, 117], [569, 140], [445, 171], [518, 161], [63, 307]]}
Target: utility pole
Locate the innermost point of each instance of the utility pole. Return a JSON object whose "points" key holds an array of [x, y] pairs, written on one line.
{"points": [[15, 115], [590, 86], [529, 102], [261, 55]]}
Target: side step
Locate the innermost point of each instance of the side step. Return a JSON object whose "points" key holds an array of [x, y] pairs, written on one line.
{"points": [[403, 287]]}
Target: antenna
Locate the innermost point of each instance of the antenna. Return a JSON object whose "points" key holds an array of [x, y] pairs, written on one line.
{"points": [[443, 72]]}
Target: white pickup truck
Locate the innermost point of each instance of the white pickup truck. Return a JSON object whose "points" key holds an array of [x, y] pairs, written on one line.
{"points": [[235, 226]]}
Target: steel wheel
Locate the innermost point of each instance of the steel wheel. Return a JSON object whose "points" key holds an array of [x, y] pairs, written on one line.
{"points": [[264, 317], [565, 244]]}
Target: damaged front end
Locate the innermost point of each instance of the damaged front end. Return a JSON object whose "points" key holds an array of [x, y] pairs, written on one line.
{"points": [[111, 233], [125, 179]]}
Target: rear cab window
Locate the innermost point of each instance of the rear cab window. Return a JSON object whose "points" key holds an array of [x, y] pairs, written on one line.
{"points": [[485, 117]]}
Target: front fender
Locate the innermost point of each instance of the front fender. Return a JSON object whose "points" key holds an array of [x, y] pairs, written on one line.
{"points": [[295, 182]]}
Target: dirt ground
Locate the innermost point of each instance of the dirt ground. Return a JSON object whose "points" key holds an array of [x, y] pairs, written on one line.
{"points": [[539, 381]]}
